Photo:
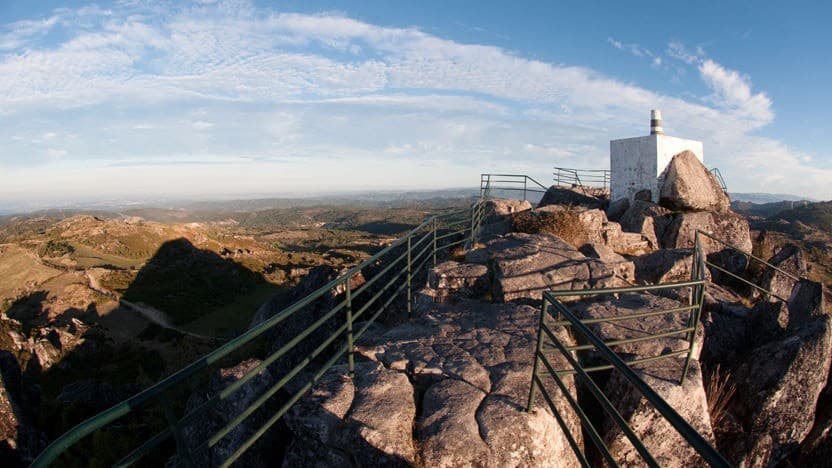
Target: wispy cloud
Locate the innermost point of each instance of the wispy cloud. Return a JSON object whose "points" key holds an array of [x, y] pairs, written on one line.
{"points": [[234, 86], [637, 50]]}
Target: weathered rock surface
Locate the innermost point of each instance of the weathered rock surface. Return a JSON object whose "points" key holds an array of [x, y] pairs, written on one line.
{"points": [[626, 304], [791, 259], [647, 219], [225, 411], [497, 214], [624, 269], [727, 226], [498, 208], [559, 195], [367, 420], [666, 445], [468, 279], [778, 385], [9, 422], [525, 265], [459, 375], [617, 209], [664, 266], [686, 184]]}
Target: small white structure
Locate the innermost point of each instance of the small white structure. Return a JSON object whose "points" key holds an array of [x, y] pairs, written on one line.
{"points": [[636, 163]]}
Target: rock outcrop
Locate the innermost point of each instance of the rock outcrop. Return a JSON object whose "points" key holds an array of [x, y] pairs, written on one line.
{"points": [[665, 444], [525, 265], [727, 226], [459, 375], [559, 195], [778, 385], [790, 259], [647, 219], [224, 412], [686, 184], [450, 277]]}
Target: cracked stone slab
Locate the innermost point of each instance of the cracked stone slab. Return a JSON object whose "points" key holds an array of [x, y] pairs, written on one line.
{"points": [[466, 366]]}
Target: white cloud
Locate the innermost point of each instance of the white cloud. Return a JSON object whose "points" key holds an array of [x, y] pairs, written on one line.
{"points": [[678, 51], [732, 91], [294, 87], [202, 125], [56, 153]]}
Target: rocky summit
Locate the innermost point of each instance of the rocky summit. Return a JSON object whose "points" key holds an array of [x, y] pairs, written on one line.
{"points": [[449, 387]]}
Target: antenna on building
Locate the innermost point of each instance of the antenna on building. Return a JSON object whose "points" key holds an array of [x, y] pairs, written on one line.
{"points": [[656, 122]]}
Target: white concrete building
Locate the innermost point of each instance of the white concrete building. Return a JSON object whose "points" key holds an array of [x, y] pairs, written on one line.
{"points": [[636, 163]]}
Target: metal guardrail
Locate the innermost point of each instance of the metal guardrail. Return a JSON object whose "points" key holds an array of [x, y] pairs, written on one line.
{"points": [[491, 183], [582, 177], [402, 260], [751, 258], [719, 178], [562, 316]]}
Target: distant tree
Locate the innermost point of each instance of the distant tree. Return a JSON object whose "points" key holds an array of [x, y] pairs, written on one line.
{"points": [[55, 248]]}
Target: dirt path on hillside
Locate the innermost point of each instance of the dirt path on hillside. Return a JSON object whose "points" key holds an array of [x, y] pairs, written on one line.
{"points": [[151, 314]]}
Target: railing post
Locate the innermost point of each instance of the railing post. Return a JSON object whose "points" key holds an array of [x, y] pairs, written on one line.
{"points": [[178, 436], [525, 180], [538, 349], [434, 241], [409, 279], [350, 342]]}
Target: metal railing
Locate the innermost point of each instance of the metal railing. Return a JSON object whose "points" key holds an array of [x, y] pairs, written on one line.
{"points": [[493, 185], [582, 177], [161, 412], [719, 178], [563, 317], [751, 259]]}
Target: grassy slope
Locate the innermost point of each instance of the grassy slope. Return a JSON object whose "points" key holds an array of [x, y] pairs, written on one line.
{"points": [[18, 267]]}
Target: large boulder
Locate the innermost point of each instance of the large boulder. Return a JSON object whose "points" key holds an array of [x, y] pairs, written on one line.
{"points": [[625, 270], [366, 420], [559, 195], [525, 265], [664, 442], [777, 389], [647, 219], [665, 266], [790, 259], [495, 209], [686, 184], [447, 278], [726, 226], [497, 213], [617, 209]]}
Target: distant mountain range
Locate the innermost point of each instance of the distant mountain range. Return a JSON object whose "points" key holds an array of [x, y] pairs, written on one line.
{"points": [[759, 197]]}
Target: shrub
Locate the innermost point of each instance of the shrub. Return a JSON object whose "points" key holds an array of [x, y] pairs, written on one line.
{"points": [[55, 248]]}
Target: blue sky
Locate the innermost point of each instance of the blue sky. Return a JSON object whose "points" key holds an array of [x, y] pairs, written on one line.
{"points": [[237, 98]]}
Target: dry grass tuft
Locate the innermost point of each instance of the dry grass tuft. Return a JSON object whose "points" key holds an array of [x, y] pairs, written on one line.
{"points": [[719, 391], [565, 224]]}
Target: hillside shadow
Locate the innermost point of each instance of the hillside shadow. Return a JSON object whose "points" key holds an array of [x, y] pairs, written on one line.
{"points": [[185, 283]]}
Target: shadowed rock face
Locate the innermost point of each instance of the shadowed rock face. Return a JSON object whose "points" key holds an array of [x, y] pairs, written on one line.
{"points": [[791, 259], [779, 384], [459, 375]]}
